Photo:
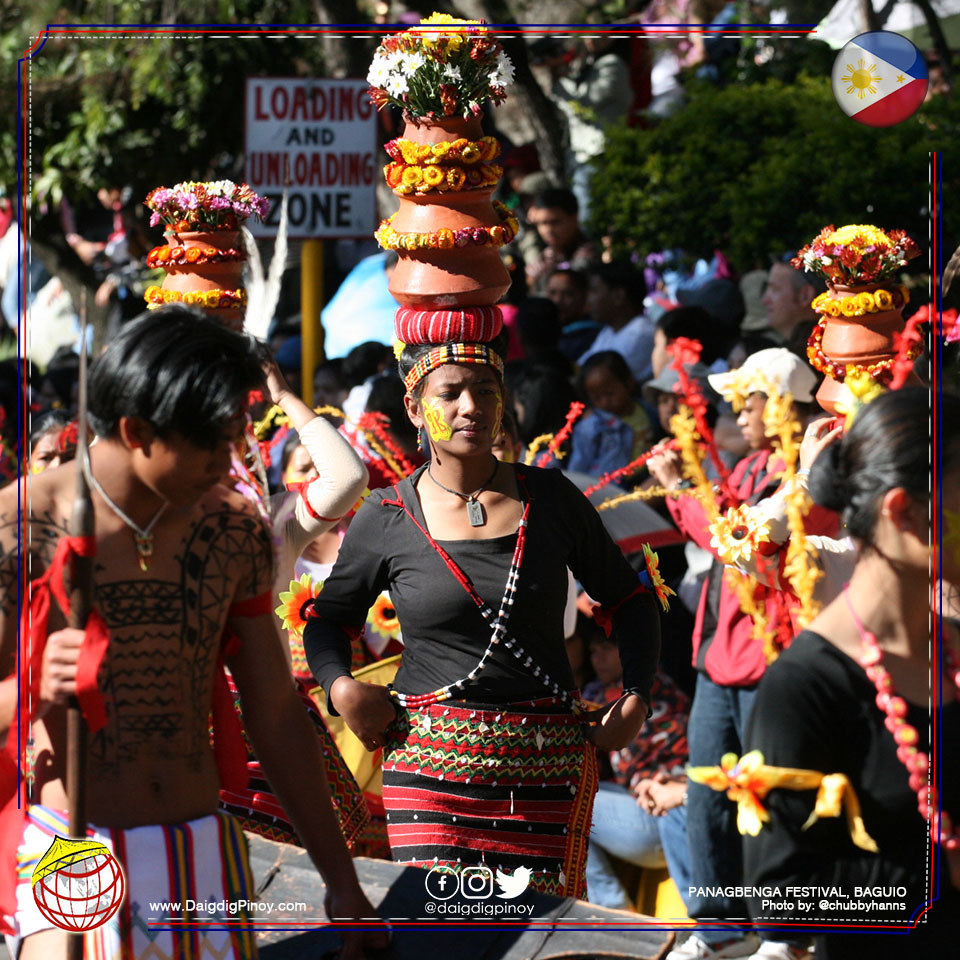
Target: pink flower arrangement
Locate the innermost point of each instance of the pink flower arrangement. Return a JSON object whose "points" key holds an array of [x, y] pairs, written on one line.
{"points": [[213, 205]]}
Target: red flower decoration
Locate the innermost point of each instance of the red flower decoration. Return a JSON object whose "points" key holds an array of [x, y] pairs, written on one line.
{"points": [[684, 350]]}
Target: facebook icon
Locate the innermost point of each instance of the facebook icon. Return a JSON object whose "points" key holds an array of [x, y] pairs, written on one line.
{"points": [[442, 883]]}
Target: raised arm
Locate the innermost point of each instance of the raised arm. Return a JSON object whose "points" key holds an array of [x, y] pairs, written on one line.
{"points": [[341, 475]]}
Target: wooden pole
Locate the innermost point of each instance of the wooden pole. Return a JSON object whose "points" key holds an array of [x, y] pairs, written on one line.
{"points": [[81, 602], [311, 301]]}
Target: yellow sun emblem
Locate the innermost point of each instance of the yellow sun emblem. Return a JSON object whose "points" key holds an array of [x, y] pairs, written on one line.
{"points": [[861, 78]]}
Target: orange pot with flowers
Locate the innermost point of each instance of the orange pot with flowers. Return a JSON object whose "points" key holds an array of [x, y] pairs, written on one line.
{"points": [[862, 311], [447, 231], [203, 257]]}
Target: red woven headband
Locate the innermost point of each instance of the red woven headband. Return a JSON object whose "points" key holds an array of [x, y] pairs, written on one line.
{"points": [[452, 353]]}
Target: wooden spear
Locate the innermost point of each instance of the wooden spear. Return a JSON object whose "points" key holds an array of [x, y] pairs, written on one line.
{"points": [[81, 602]]}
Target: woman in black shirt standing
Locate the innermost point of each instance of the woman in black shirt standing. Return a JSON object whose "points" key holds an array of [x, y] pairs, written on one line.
{"points": [[852, 695], [485, 753]]}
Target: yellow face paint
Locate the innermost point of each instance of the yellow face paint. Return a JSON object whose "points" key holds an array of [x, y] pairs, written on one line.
{"points": [[498, 418], [437, 425], [951, 533]]}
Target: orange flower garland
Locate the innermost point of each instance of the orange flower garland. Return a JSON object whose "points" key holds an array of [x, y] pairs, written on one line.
{"points": [[839, 371], [860, 304], [484, 150], [405, 178], [166, 255], [445, 239], [208, 299]]}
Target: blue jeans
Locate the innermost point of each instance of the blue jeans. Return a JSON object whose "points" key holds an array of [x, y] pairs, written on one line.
{"points": [[718, 718], [622, 829]]}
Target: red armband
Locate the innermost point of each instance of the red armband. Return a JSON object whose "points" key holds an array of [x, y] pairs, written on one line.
{"points": [[301, 489], [253, 607]]}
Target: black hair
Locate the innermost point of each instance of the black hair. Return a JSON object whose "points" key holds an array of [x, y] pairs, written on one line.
{"points": [[412, 352], [333, 367], [557, 198], [887, 447], [386, 397], [695, 324], [363, 361], [606, 360], [177, 369], [508, 423], [577, 277], [620, 275], [545, 396], [53, 421], [289, 445], [518, 289], [538, 324], [62, 373]]}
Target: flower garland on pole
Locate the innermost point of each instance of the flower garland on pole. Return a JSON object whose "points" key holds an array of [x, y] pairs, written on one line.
{"points": [[562, 435], [687, 351]]}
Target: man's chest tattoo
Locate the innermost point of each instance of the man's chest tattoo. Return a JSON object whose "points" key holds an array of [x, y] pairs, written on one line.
{"points": [[165, 637]]}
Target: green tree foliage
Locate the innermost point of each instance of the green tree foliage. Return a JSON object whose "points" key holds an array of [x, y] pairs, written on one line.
{"points": [[763, 167], [150, 108]]}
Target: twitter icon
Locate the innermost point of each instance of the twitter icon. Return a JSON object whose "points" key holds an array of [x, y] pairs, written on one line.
{"points": [[513, 886]]}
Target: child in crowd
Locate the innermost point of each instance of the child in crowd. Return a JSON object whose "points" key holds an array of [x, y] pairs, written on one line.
{"points": [[617, 429]]}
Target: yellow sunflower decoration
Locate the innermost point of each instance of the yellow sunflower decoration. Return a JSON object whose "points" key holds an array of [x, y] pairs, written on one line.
{"points": [[382, 618], [292, 603], [659, 585], [738, 534]]}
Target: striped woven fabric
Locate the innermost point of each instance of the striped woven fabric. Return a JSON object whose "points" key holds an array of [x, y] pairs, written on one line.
{"points": [[463, 325], [259, 809], [168, 868], [506, 787]]}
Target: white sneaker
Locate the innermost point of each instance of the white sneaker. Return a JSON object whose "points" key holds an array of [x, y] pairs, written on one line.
{"points": [[694, 948], [777, 950]]}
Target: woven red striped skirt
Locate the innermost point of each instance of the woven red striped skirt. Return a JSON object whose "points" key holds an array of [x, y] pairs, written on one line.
{"points": [[503, 786]]}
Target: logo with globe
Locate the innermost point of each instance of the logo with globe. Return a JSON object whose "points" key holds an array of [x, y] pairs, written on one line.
{"points": [[78, 884]]}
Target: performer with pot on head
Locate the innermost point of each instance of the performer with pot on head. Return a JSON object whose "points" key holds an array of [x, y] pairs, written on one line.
{"points": [[482, 724]]}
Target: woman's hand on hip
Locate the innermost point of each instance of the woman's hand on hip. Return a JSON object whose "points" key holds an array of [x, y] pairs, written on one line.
{"points": [[367, 709], [616, 725]]}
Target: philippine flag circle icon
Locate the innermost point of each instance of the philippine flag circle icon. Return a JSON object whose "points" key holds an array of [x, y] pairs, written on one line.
{"points": [[879, 79]]}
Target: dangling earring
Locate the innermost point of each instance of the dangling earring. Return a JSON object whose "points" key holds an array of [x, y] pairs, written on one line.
{"points": [[420, 445]]}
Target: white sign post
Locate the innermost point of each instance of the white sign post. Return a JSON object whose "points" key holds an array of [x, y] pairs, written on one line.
{"points": [[320, 138]]}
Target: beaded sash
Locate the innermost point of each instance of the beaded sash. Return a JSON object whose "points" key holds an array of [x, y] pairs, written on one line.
{"points": [[499, 621]]}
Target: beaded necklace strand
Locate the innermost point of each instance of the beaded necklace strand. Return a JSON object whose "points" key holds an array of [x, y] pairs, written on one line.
{"points": [[916, 761], [499, 622]]}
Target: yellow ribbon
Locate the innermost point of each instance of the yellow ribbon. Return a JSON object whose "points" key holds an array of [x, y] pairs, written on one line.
{"points": [[748, 780]]}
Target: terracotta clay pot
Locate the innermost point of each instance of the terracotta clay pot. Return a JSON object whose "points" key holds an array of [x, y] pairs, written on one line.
{"points": [[462, 276], [200, 277], [857, 340]]}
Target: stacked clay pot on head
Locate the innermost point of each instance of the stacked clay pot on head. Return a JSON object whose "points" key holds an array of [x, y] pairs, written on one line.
{"points": [[861, 336], [204, 269], [435, 278]]}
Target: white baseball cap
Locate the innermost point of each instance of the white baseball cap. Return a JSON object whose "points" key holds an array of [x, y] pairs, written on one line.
{"points": [[776, 366]]}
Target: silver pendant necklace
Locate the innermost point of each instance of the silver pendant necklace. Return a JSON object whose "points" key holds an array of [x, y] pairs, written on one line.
{"points": [[475, 513], [142, 536]]}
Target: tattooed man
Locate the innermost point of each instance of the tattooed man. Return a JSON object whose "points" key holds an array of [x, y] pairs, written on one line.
{"points": [[182, 578]]}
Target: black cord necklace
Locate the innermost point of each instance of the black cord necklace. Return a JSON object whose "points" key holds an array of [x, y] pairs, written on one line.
{"points": [[475, 513]]}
